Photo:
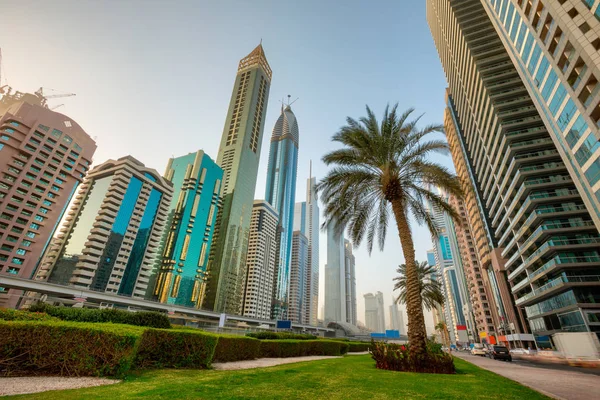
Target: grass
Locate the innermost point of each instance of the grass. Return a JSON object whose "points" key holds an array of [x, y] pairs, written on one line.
{"points": [[351, 377]]}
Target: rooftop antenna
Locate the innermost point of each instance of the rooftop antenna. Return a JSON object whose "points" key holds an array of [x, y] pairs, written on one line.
{"points": [[289, 104]]}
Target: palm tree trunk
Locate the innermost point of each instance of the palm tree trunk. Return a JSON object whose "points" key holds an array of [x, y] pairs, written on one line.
{"points": [[417, 334]]}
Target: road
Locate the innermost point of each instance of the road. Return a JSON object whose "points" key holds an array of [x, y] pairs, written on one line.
{"points": [[560, 382]]}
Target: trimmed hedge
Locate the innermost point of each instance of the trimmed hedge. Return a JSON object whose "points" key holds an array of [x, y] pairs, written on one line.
{"points": [[236, 348], [281, 336], [64, 348], [142, 318], [358, 347], [8, 314], [300, 348], [398, 358], [175, 348]]}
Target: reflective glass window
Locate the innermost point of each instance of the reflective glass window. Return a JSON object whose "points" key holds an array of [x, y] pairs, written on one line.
{"points": [[557, 99], [549, 85], [541, 72], [587, 148], [566, 115], [592, 174], [576, 131], [527, 48]]}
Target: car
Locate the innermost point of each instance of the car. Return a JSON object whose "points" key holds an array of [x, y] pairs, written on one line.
{"points": [[478, 350], [498, 352]]}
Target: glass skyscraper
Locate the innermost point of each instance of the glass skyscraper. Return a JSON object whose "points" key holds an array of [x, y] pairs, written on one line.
{"points": [[281, 193], [110, 237], [523, 107], [239, 156], [184, 252]]}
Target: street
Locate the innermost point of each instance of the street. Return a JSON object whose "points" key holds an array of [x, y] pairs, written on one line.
{"points": [[558, 381]]}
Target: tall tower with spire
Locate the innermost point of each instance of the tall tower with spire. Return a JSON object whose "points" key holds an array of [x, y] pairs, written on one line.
{"points": [[280, 192], [239, 155]]}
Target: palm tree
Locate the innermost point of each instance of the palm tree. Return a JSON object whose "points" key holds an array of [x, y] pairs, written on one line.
{"points": [[385, 167], [443, 330], [431, 290]]}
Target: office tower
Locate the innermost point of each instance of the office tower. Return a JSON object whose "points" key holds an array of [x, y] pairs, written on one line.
{"points": [[350, 283], [396, 319], [483, 308], [262, 253], [184, 250], [111, 234], [374, 312], [298, 286], [335, 269], [523, 97], [239, 155], [281, 192], [312, 233], [438, 311], [44, 156], [457, 306]]}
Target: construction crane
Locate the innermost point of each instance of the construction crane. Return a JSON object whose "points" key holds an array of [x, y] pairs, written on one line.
{"points": [[40, 93]]}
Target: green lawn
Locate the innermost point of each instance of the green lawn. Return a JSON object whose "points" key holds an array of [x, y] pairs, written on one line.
{"points": [[351, 377]]}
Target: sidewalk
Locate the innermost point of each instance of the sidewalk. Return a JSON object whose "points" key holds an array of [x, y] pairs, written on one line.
{"points": [[563, 384]]}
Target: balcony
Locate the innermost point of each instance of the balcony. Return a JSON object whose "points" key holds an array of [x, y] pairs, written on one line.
{"points": [[557, 283]]}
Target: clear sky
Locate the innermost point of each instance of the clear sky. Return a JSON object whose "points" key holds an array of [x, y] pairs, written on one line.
{"points": [[153, 78]]}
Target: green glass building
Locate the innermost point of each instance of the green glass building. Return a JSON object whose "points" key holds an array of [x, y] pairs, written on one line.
{"points": [[186, 243], [239, 155]]}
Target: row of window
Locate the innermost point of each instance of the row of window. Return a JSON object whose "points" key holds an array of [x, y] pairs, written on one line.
{"points": [[524, 44]]}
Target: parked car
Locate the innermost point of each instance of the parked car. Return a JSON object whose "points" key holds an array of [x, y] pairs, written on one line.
{"points": [[478, 350], [497, 352]]}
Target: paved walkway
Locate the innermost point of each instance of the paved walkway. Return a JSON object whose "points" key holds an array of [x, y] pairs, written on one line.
{"points": [[565, 383], [265, 362], [35, 384]]}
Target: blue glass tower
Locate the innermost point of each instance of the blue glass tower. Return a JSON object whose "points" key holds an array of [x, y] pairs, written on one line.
{"points": [[281, 189], [192, 216]]}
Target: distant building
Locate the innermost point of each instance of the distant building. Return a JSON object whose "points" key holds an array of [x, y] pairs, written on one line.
{"points": [[239, 156], [44, 156], [181, 278], [111, 235], [350, 283], [340, 279], [262, 251], [396, 319], [298, 310], [312, 233], [374, 312]]}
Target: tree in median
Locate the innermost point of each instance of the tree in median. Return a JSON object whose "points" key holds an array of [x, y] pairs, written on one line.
{"points": [[382, 168]]}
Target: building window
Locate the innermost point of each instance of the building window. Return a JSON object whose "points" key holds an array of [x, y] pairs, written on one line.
{"points": [[26, 243], [17, 261], [30, 235], [21, 252], [34, 226]]}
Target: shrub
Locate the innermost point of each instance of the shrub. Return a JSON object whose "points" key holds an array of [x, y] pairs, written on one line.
{"points": [[300, 348], [281, 336], [8, 314], [142, 318], [397, 358], [358, 347], [236, 348], [175, 348], [65, 348]]}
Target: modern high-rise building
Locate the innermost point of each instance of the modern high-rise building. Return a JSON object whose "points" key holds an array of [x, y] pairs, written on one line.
{"points": [[281, 192], [261, 261], [396, 318], [457, 307], [481, 300], [299, 282], [438, 311], [306, 219], [350, 282], [239, 156], [44, 156], [110, 237], [374, 312], [523, 100], [335, 280], [184, 250]]}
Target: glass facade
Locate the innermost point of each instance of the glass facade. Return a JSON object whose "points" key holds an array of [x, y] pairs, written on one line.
{"points": [[280, 192], [192, 215]]}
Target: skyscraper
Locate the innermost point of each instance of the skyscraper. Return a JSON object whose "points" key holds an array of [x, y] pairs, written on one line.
{"points": [[523, 101], [299, 282], [281, 192], [457, 306], [110, 237], [349, 283], [183, 254], [396, 319], [262, 252], [239, 155], [44, 156], [312, 228], [335, 280], [374, 312]]}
